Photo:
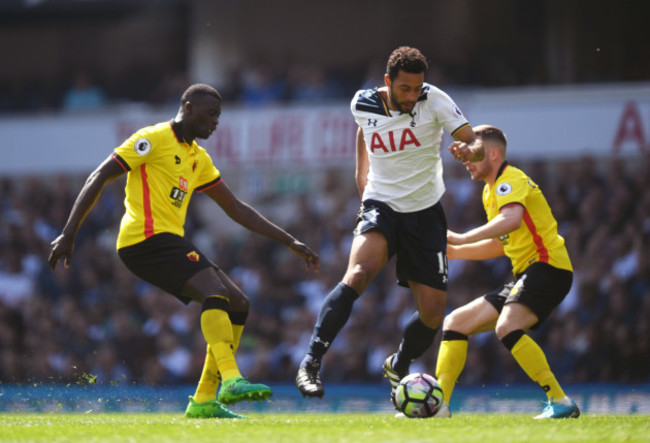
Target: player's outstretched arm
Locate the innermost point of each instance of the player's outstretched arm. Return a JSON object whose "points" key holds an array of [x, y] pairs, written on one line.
{"points": [[63, 245], [508, 220], [248, 217], [481, 250], [467, 146]]}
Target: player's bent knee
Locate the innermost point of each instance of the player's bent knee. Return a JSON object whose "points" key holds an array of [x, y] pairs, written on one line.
{"points": [[504, 328], [451, 323], [238, 300], [358, 278]]}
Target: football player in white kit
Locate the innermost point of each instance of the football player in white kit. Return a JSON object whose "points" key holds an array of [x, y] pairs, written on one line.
{"points": [[399, 176]]}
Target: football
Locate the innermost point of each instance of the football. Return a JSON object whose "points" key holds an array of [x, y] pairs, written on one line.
{"points": [[418, 396]]}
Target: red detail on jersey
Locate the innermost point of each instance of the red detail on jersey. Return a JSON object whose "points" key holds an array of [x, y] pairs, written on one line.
{"points": [[182, 184], [193, 256], [146, 203], [219, 180], [119, 162], [194, 166], [541, 248], [407, 138]]}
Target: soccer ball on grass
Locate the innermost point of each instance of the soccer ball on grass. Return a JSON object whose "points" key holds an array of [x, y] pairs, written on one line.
{"points": [[418, 396]]}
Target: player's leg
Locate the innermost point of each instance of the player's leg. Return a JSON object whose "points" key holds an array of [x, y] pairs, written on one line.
{"points": [[175, 265], [368, 254], [419, 331], [207, 287], [476, 316], [238, 313], [536, 293], [422, 265]]}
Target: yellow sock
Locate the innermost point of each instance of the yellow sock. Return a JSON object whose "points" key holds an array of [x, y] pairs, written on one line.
{"points": [[217, 331], [451, 360], [532, 360], [237, 331], [210, 378]]}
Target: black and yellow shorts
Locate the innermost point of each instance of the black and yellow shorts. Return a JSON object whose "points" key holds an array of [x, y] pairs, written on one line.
{"points": [[418, 239], [165, 260], [541, 287]]}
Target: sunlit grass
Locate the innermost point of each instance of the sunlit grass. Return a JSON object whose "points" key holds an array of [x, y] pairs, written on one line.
{"points": [[310, 427]]}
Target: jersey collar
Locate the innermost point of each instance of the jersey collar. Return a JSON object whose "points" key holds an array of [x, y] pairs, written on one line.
{"points": [[501, 169], [180, 140]]}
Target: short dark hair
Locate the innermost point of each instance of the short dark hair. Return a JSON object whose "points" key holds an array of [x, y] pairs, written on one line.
{"points": [[406, 59], [199, 89], [491, 133]]}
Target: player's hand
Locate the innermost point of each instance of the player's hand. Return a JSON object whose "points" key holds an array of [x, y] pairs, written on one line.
{"points": [[472, 152], [311, 258], [62, 246], [461, 151]]}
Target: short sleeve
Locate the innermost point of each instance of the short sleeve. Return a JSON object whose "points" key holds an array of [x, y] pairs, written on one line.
{"points": [[512, 190], [137, 149], [209, 175], [446, 111]]}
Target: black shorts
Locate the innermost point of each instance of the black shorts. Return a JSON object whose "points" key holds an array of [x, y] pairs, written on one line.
{"points": [[541, 287], [165, 260], [419, 239]]}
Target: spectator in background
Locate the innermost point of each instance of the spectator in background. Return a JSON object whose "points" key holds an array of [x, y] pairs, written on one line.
{"points": [[83, 94], [261, 87], [310, 84]]}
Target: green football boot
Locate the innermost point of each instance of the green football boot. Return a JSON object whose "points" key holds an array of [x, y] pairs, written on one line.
{"points": [[208, 409], [239, 388]]}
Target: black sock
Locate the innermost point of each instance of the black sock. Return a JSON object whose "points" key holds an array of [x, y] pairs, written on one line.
{"points": [[417, 339], [333, 315]]}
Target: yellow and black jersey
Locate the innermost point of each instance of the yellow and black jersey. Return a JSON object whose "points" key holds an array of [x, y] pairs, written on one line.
{"points": [[537, 239], [162, 173]]}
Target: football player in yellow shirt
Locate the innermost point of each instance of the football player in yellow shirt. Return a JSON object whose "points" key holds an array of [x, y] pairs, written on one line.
{"points": [[164, 167], [521, 226]]}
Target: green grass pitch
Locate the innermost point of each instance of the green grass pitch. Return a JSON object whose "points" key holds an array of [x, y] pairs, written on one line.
{"points": [[313, 427]]}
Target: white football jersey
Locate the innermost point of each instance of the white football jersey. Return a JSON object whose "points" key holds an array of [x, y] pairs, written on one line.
{"points": [[404, 149]]}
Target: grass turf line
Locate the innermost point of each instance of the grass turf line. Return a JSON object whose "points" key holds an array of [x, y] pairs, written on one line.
{"points": [[311, 427]]}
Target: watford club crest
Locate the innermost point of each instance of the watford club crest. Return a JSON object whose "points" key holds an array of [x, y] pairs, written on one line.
{"points": [[194, 256]]}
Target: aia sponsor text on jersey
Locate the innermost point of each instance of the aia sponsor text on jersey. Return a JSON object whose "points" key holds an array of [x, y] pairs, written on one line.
{"points": [[393, 141]]}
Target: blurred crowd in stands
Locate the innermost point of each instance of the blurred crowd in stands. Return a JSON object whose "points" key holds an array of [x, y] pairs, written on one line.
{"points": [[86, 90], [258, 85], [97, 320]]}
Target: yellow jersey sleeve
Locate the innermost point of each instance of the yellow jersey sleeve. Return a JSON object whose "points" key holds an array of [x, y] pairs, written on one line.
{"points": [[137, 149], [537, 238], [209, 175]]}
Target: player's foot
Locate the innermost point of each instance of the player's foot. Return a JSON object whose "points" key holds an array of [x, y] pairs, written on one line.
{"points": [[208, 409], [239, 388], [553, 409], [443, 412], [393, 376], [308, 380]]}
